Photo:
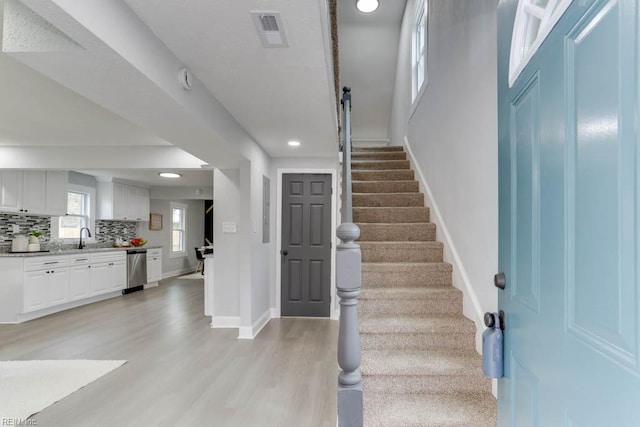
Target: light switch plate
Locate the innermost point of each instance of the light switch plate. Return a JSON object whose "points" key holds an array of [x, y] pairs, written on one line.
{"points": [[229, 227]]}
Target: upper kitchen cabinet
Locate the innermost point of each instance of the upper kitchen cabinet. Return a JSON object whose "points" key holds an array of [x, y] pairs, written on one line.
{"points": [[56, 197], [34, 192], [10, 190], [122, 202], [34, 188]]}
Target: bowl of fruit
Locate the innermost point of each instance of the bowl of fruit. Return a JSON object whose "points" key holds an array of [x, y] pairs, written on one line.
{"points": [[138, 241]]}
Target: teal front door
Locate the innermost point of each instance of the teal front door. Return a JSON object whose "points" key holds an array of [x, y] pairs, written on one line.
{"points": [[570, 220]]}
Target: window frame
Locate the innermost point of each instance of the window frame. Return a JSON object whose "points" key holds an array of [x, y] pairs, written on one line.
{"points": [[419, 42], [91, 215], [183, 253]]}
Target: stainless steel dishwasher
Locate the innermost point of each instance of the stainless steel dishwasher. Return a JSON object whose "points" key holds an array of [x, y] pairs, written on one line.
{"points": [[136, 270]]}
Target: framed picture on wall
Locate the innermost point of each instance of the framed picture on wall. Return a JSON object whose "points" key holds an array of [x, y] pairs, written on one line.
{"points": [[155, 221]]}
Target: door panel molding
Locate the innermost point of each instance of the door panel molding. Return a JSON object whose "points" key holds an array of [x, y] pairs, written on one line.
{"points": [[276, 310], [605, 282], [525, 208]]}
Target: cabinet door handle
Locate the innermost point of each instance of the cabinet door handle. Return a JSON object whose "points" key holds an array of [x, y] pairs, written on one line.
{"points": [[52, 262], [81, 259]]}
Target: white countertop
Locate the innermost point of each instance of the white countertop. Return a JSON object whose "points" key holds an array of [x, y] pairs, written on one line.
{"points": [[74, 251]]}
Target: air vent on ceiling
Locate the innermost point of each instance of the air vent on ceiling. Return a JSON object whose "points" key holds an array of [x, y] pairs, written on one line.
{"points": [[270, 28]]}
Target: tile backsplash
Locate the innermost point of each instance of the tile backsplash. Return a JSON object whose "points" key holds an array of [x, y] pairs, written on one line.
{"points": [[27, 223], [105, 231], [109, 231]]}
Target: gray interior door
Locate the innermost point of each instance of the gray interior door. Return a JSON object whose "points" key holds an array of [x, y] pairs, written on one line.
{"points": [[306, 245]]}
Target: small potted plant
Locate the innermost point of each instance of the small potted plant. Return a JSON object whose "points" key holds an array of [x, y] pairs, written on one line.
{"points": [[34, 240]]}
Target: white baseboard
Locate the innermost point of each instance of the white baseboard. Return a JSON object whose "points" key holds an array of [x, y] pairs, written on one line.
{"points": [[180, 272], [151, 285], [225, 321], [471, 304], [250, 332], [275, 313]]}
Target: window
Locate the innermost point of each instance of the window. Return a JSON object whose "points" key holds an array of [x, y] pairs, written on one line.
{"points": [[178, 229], [80, 213], [419, 51], [533, 23]]}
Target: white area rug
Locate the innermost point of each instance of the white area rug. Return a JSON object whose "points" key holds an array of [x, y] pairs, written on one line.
{"points": [[197, 275], [27, 387]]}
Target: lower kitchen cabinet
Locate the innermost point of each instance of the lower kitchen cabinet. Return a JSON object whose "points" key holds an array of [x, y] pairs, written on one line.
{"points": [[36, 286], [154, 265], [45, 288], [36, 290], [117, 275], [79, 282], [99, 278], [58, 286]]}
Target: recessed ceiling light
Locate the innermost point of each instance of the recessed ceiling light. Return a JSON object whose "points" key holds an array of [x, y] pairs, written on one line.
{"points": [[170, 175], [294, 143], [367, 6]]}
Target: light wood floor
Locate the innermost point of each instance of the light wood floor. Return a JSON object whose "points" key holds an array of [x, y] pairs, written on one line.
{"points": [[180, 372]]}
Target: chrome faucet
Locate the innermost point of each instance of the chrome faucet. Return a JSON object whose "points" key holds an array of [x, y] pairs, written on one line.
{"points": [[81, 244]]}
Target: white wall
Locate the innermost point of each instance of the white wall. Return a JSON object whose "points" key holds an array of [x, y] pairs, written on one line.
{"points": [[195, 234], [226, 202], [452, 134]]}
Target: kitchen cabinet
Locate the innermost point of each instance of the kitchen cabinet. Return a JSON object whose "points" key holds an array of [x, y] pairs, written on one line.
{"points": [[34, 184], [99, 278], [10, 190], [138, 200], [34, 286], [36, 289], [123, 202], [117, 275], [36, 192], [58, 286], [154, 265], [79, 282], [46, 282], [56, 193], [111, 267]]}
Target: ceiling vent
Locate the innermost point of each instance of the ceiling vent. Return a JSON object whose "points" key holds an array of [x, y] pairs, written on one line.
{"points": [[270, 28]]}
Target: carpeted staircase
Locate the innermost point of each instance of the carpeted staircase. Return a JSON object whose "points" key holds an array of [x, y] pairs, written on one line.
{"points": [[419, 363]]}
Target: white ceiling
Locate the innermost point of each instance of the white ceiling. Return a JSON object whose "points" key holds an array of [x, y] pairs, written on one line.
{"points": [[37, 111], [150, 178], [274, 94]]}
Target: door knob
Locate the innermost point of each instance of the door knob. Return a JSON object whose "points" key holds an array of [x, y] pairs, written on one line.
{"points": [[500, 280], [284, 252]]}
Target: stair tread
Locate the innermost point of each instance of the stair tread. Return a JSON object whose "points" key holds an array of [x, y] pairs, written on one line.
{"points": [[422, 362], [380, 181], [393, 323], [394, 292], [386, 266], [454, 409], [401, 243], [368, 149]]}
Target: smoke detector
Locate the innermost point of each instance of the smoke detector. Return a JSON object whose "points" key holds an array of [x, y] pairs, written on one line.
{"points": [[270, 29]]}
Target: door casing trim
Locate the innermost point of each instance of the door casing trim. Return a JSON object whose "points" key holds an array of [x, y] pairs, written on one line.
{"points": [[335, 311]]}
